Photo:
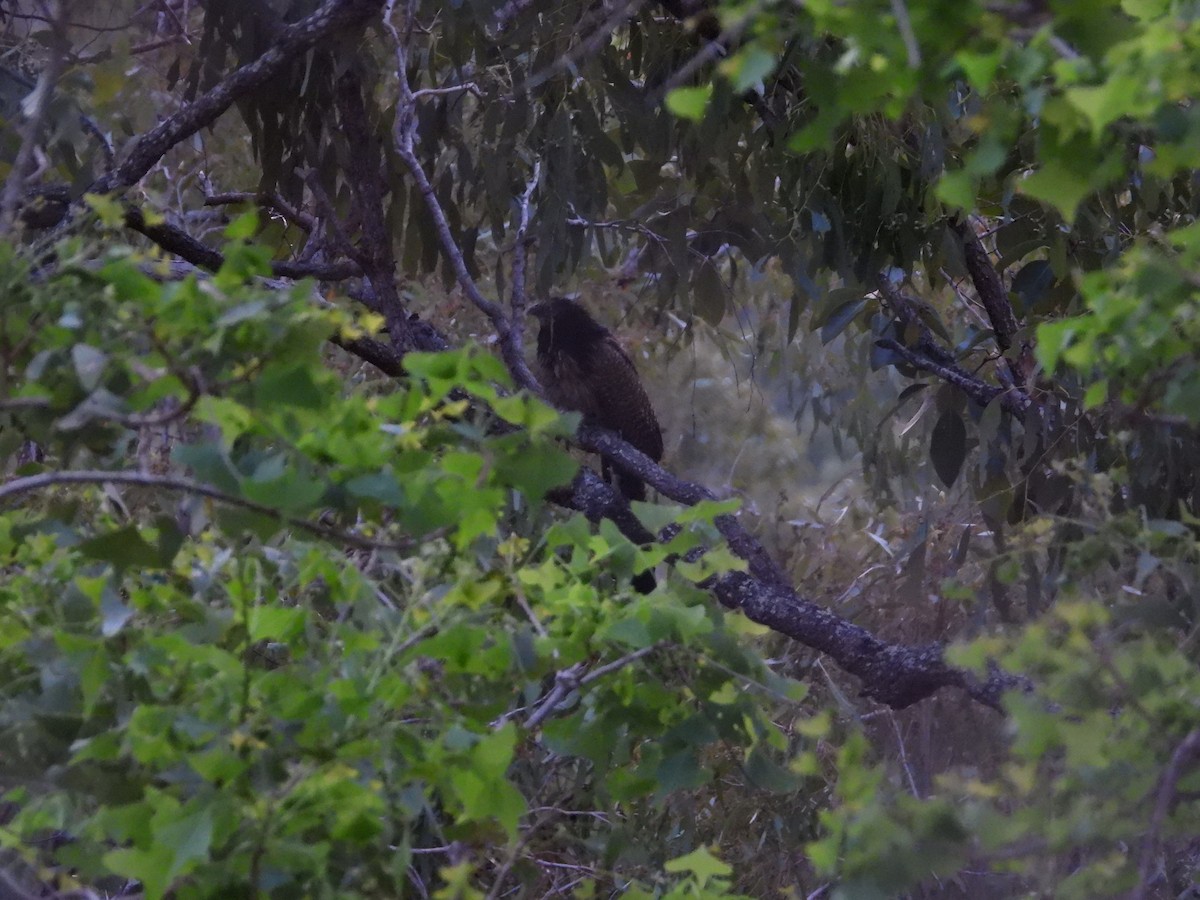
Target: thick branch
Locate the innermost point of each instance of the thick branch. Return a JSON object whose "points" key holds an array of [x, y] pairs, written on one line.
{"points": [[981, 392], [292, 41], [988, 285], [386, 358], [930, 356], [628, 459], [893, 674], [179, 242]]}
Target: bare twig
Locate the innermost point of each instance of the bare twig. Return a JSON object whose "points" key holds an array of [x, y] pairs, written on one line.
{"points": [[179, 242], [469, 87], [510, 11], [709, 53], [623, 12], [520, 253], [564, 682], [268, 201], [981, 392], [608, 668], [89, 125]]}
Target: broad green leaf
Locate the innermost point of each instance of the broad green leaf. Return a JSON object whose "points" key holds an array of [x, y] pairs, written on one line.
{"points": [[689, 102], [701, 863]]}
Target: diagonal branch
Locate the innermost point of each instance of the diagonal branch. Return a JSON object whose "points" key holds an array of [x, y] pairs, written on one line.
{"points": [[292, 41], [892, 674], [987, 282], [930, 356], [179, 242], [896, 675]]}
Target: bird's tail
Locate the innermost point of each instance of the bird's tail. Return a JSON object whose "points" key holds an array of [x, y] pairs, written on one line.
{"points": [[631, 488], [644, 582]]}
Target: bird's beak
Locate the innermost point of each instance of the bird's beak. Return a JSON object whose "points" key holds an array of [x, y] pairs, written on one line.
{"points": [[539, 311]]}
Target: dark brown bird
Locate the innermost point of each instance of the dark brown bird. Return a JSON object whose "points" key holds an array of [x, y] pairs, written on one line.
{"points": [[584, 369]]}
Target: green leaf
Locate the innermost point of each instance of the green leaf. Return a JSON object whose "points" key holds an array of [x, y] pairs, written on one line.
{"points": [[275, 623], [289, 385], [537, 469], [243, 227], [768, 775], [956, 189], [709, 293], [89, 365], [150, 867], [842, 316], [701, 863], [188, 838], [689, 102], [1058, 185], [948, 446], [125, 548], [747, 68]]}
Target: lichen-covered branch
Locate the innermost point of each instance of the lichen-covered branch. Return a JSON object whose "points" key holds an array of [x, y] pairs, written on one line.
{"points": [[893, 674]]}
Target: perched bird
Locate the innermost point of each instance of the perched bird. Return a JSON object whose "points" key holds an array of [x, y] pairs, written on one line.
{"points": [[584, 369]]}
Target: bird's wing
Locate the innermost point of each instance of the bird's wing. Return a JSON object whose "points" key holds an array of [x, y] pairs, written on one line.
{"points": [[621, 402]]}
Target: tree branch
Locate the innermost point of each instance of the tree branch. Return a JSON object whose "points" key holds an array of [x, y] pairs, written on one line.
{"points": [[270, 202], [362, 171], [1185, 755], [930, 356], [520, 254], [404, 136], [987, 283], [895, 675], [292, 40], [179, 242], [981, 392]]}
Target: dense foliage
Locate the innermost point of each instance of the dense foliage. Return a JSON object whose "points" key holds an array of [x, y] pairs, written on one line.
{"points": [[273, 623]]}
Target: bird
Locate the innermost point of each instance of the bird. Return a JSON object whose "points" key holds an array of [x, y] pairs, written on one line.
{"points": [[584, 369]]}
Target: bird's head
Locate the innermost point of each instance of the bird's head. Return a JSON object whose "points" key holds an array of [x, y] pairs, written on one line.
{"points": [[563, 321]]}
